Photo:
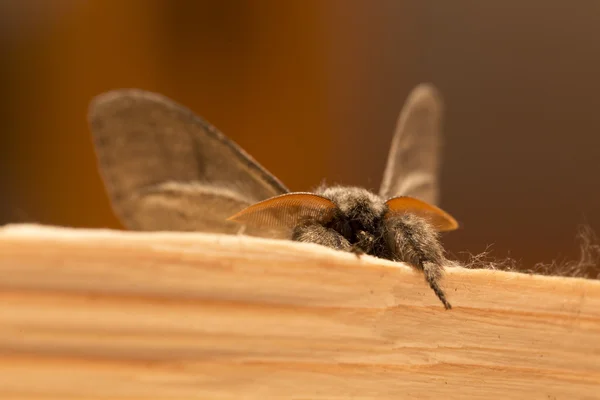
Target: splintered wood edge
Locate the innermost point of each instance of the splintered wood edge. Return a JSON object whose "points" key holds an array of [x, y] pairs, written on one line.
{"points": [[189, 315], [188, 262]]}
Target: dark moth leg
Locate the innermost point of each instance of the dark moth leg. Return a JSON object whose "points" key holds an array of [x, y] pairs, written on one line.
{"points": [[414, 241], [313, 232], [365, 242]]}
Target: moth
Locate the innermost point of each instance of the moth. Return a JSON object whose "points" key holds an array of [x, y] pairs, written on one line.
{"points": [[165, 168]]}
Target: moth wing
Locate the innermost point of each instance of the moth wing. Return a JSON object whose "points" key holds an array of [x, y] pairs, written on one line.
{"points": [[280, 214], [164, 168], [413, 161], [438, 218]]}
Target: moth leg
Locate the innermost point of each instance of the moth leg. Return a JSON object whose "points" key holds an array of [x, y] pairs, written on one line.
{"points": [[313, 232], [365, 243], [413, 240], [357, 250]]}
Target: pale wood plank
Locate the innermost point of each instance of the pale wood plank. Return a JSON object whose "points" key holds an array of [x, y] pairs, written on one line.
{"points": [[111, 314]]}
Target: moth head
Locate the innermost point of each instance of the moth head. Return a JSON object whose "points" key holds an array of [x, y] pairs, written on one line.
{"points": [[286, 211], [438, 218]]}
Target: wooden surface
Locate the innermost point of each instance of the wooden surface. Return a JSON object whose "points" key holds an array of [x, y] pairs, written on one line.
{"points": [[108, 314]]}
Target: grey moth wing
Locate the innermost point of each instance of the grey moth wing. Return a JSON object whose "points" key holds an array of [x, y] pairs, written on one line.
{"points": [[414, 157], [165, 168]]}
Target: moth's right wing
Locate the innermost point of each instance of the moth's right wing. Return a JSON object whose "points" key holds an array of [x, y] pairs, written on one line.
{"points": [[414, 158], [165, 168]]}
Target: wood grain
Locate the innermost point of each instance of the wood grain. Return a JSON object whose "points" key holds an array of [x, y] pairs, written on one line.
{"points": [[110, 314]]}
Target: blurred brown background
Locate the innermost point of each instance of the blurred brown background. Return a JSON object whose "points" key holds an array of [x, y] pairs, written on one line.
{"points": [[312, 90]]}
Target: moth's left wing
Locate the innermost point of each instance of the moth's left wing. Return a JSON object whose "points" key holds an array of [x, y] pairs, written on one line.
{"points": [[413, 161], [165, 168]]}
